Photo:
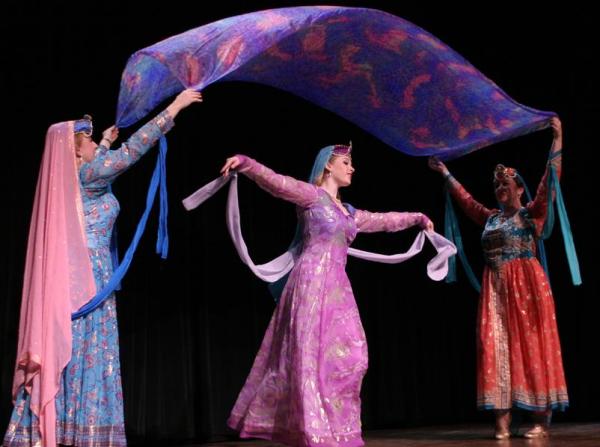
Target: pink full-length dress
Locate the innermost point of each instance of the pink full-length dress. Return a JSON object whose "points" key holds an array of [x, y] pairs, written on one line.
{"points": [[304, 386]]}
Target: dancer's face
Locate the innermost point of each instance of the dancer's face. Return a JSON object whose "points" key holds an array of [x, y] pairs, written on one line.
{"points": [[85, 147], [508, 193], [341, 169]]}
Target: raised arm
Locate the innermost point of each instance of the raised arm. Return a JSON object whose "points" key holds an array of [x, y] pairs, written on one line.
{"points": [[538, 207], [281, 186], [472, 208], [368, 222], [109, 164]]}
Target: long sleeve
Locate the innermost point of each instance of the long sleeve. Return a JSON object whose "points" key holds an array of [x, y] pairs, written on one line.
{"points": [[283, 187], [109, 164], [472, 208], [538, 207], [368, 222]]}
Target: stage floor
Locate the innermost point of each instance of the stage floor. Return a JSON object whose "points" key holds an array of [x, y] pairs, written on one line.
{"points": [[562, 435]]}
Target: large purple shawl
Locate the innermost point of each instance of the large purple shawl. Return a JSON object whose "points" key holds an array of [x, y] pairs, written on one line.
{"points": [[386, 75]]}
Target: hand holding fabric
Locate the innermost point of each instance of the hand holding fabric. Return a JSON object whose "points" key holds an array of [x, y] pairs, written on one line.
{"points": [[429, 225], [438, 166], [183, 100], [230, 163], [556, 128], [111, 134]]}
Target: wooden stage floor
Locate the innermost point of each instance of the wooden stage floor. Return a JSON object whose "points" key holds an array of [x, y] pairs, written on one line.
{"points": [[562, 435]]}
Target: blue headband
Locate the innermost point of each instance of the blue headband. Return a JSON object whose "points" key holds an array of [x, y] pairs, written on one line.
{"points": [[84, 126]]}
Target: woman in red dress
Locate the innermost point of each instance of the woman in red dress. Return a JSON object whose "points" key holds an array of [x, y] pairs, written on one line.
{"points": [[518, 350]]}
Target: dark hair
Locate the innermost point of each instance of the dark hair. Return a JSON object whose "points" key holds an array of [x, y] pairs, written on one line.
{"points": [[519, 181]]}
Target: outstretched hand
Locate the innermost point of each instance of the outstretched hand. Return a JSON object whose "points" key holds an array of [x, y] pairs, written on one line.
{"points": [[437, 165], [183, 100], [429, 226], [230, 163]]}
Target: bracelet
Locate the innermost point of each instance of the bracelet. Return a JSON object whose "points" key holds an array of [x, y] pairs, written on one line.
{"points": [[448, 176], [106, 139]]}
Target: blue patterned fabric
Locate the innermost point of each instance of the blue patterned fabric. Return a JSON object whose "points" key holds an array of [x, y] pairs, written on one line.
{"points": [[386, 75]]}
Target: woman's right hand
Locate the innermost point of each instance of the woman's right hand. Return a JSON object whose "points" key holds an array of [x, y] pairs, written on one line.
{"points": [[230, 163], [437, 165]]}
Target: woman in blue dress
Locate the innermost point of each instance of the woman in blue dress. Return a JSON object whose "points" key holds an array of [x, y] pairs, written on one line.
{"points": [[67, 383]]}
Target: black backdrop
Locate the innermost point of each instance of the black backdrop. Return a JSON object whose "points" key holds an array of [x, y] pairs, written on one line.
{"points": [[190, 326]]}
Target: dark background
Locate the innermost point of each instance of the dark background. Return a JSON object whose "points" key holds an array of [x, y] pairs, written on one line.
{"points": [[190, 326]]}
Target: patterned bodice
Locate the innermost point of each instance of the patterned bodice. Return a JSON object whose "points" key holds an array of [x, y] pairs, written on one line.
{"points": [[326, 229], [508, 238]]}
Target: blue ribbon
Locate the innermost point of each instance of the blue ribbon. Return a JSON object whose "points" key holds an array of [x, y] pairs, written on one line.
{"points": [[541, 249], [452, 233], [565, 225], [159, 178]]}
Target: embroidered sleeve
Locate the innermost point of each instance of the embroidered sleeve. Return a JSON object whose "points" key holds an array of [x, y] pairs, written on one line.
{"points": [[472, 208], [368, 222], [109, 164], [284, 187]]}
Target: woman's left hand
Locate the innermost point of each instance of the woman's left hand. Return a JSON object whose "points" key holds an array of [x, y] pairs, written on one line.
{"points": [[556, 127], [426, 223]]}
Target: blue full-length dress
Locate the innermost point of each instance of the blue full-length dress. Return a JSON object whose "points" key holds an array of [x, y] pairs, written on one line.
{"points": [[89, 404]]}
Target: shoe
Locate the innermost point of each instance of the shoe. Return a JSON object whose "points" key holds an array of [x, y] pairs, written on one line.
{"points": [[538, 431], [501, 435], [503, 418]]}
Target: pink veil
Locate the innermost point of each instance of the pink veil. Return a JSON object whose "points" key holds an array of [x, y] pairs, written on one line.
{"points": [[58, 278]]}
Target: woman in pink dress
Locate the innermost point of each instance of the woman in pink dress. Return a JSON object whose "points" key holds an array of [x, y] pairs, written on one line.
{"points": [[304, 386], [519, 360]]}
